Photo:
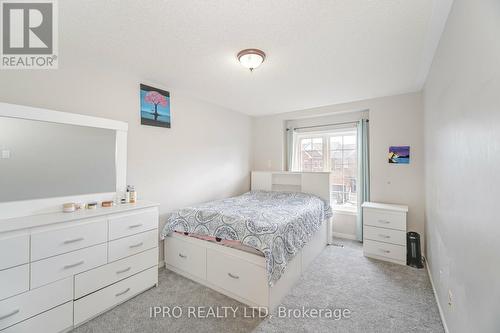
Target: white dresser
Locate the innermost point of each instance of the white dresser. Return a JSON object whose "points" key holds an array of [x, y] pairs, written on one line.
{"points": [[59, 270], [384, 232]]}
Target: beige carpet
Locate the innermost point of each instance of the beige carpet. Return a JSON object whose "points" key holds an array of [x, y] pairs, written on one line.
{"points": [[379, 296]]}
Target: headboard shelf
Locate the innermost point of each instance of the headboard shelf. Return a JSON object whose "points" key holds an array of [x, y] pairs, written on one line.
{"points": [[317, 183]]}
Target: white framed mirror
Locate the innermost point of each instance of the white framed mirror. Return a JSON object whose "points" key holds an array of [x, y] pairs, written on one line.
{"points": [[49, 157]]}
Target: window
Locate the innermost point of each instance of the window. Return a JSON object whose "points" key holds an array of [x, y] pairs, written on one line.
{"points": [[344, 166], [335, 152], [311, 154]]}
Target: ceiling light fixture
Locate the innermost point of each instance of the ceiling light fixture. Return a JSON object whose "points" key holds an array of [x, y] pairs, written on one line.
{"points": [[251, 58]]}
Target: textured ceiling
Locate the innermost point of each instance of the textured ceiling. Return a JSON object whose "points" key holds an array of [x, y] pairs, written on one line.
{"points": [[319, 52]]}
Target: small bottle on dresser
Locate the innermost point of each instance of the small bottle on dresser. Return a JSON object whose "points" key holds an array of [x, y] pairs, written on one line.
{"points": [[127, 195], [133, 195]]}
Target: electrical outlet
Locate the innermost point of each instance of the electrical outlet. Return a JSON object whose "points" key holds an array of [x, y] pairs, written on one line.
{"points": [[450, 298], [5, 154]]}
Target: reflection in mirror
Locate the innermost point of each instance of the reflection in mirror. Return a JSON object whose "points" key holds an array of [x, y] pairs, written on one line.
{"points": [[43, 160]]}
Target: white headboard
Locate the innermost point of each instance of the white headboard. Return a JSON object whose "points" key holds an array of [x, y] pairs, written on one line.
{"points": [[317, 183]]}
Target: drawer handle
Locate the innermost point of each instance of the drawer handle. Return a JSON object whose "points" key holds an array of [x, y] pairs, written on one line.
{"points": [[16, 311], [74, 265], [384, 236], [233, 276], [385, 251], [384, 221], [123, 292], [69, 241], [135, 226], [183, 256], [124, 270], [136, 245]]}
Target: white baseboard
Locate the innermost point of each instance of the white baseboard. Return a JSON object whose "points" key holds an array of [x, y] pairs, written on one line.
{"points": [[441, 313], [346, 236]]}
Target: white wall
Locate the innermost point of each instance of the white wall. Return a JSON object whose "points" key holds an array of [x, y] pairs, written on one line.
{"points": [[394, 120], [205, 155], [462, 131]]}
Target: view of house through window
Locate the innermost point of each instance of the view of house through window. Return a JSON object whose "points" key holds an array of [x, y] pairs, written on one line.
{"points": [[335, 152]]}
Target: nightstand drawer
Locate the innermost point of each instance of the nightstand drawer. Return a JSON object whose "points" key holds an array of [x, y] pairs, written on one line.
{"points": [[384, 219], [379, 249], [397, 237]]}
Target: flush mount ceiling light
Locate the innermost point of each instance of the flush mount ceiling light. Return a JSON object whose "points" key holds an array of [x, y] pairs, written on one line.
{"points": [[251, 58]]}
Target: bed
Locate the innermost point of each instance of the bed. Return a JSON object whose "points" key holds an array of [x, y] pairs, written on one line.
{"points": [[253, 247]]}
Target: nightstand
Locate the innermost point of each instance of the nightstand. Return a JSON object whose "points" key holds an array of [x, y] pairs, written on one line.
{"points": [[384, 231]]}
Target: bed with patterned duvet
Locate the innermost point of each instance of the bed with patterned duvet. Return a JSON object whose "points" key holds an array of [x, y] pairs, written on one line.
{"points": [[278, 224]]}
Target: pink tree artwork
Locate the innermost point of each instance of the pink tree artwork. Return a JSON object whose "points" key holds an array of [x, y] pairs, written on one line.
{"points": [[156, 99]]}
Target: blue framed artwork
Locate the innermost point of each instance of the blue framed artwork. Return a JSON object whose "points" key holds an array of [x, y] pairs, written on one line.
{"points": [[399, 154], [155, 107]]}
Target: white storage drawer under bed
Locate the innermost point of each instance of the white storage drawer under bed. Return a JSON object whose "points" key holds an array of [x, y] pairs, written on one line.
{"points": [[186, 256], [237, 276]]}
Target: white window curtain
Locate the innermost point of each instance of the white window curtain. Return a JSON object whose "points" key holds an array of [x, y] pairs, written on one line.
{"points": [[290, 139], [363, 174]]}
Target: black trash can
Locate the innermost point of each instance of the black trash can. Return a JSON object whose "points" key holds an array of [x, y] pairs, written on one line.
{"points": [[413, 251]]}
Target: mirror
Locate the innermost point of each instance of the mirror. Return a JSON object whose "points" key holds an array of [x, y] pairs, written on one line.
{"points": [[43, 160]]}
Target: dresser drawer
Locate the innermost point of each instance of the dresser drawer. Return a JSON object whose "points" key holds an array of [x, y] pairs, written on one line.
{"points": [[128, 246], [54, 241], [102, 276], [69, 264], [237, 276], [384, 219], [90, 306], [379, 249], [55, 320], [14, 250], [14, 281], [18, 308], [126, 224], [186, 256], [392, 236]]}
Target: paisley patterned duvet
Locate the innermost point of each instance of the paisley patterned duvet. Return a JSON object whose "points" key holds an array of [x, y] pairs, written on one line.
{"points": [[278, 224]]}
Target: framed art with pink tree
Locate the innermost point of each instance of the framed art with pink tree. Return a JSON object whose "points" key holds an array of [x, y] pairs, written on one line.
{"points": [[155, 107]]}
